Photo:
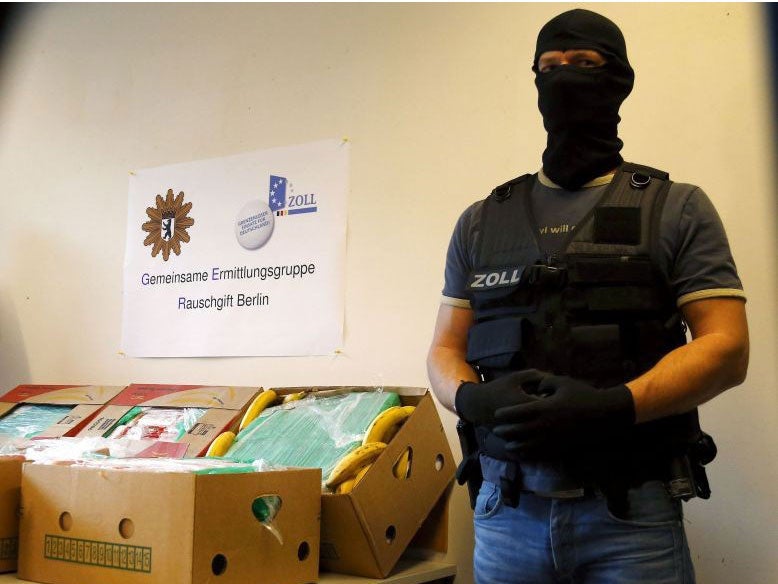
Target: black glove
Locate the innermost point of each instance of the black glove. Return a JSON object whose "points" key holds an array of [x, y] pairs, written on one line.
{"points": [[573, 414], [477, 402]]}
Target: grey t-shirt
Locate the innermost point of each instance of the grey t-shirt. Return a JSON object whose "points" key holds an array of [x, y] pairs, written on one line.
{"points": [[694, 251]]}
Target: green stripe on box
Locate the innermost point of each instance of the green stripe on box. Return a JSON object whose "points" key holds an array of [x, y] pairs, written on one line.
{"points": [[9, 548], [104, 554]]}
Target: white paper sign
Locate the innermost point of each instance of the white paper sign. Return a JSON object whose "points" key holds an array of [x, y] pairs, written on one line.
{"points": [[242, 255]]}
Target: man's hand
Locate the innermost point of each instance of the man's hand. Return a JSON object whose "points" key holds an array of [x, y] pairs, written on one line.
{"points": [[573, 413], [478, 402]]}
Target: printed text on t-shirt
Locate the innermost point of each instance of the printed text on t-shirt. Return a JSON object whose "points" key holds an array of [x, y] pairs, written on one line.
{"points": [[556, 230]]}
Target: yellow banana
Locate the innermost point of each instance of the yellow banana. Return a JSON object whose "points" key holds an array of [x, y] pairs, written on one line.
{"points": [[362, 472], [386, 424], [293, 397], [354, 460], [348, 485], [403, 465], [260, 402], [345, 486], [221, 444]]}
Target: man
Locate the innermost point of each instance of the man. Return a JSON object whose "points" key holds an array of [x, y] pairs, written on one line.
{"points": [[560, 341]]}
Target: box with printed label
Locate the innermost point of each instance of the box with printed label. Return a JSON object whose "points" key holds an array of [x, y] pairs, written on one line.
{"points": [[365, 531], [10, 485], [51, 411], [183, 418], [38, 411], [82, 524]]}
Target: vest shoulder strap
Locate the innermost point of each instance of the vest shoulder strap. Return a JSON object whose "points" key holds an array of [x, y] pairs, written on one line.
{"points": [[657, 207], [502, 216], [503, 191]]}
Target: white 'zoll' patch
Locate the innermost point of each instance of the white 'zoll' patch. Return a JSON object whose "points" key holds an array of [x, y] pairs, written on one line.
{"points": [[496, 279]]}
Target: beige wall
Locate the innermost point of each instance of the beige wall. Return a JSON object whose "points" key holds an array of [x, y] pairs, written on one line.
{"points": [[439, 104]]}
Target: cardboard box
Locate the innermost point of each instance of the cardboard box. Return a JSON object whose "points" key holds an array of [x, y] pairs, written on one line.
{"points": [[85, 399], [81, 524], [365, 532], [10, 484], [85, 402], [225, 407]]}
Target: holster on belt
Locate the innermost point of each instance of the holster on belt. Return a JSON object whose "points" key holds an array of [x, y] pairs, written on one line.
{"points": [[469, 470], [688, 478]]}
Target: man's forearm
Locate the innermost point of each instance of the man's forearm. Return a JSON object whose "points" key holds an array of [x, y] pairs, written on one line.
{"points": [[688, 377], [447, 364], [447, 369], [714, 361]]}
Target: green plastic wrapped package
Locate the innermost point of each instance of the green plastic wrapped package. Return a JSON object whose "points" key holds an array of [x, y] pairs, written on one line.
{"points": [[315, 432], [29, 420]]}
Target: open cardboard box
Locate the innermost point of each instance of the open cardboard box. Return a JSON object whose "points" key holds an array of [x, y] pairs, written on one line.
{"points": [[365, 532], [10, 485], [225, 405], [81, 524], [85, 399]]}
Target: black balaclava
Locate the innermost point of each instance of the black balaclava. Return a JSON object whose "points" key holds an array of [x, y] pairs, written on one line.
{"points": [[580, 106]]}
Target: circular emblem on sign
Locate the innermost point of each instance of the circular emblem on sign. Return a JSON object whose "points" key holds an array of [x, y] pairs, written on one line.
{"points": [[254, 225]]}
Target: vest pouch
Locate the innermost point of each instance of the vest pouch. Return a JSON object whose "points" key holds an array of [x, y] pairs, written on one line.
{"points": [[496, 343], [612, 283], [595, 352]]}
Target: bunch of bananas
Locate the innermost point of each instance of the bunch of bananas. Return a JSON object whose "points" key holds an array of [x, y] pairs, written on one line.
{"points": [[352, 467], [343, 477]]}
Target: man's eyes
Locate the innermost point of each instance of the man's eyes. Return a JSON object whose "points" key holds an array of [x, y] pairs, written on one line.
{"points": [[581, 62]]}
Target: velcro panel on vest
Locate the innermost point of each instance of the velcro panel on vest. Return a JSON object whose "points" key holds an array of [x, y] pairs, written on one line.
{"points": [[622, 299], [611, 270], [494, 343], [618, 225]]}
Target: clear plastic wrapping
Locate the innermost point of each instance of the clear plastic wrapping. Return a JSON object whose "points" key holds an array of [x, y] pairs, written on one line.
{"points": [[29, 420], [168, 465], [315, 432], [56, 450], [165, 424]]}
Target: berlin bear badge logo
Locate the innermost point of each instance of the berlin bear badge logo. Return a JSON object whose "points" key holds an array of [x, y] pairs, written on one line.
{"points": [[167, 225]]}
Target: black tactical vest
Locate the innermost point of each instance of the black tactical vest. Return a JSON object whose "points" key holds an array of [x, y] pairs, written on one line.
{"points": [[599, 310]]}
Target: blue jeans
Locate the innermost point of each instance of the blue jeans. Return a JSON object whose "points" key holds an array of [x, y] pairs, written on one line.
{"points": [[578, 541]]}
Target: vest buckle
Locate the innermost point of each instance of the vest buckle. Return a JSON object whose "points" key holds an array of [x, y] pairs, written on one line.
{"points": [[639, 181]]}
